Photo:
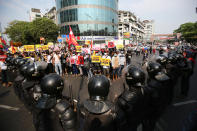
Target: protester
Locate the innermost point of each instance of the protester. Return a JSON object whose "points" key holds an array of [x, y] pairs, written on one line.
{"points": [[63, 62], [106, 68], [57, 62], [122, 62], [115, 66], [3, 71]]}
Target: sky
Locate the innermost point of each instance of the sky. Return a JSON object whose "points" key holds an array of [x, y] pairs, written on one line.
{"points": [[167, 14]]}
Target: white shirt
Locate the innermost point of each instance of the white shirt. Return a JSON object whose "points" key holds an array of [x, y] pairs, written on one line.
{"points": [[49, 60], [3, 66], [121, 59], [57, 60]]}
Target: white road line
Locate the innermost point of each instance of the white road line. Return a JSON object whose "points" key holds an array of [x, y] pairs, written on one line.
{"points": [[185, 102], [9, 107]]}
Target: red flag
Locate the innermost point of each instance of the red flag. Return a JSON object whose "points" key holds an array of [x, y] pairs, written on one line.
{"points": [[2, 41], [91, 44], [72, 39], [13, 50]]}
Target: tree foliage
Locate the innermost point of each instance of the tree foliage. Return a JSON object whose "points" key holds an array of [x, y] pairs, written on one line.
{"points": [[188, 31], [30, 32]]}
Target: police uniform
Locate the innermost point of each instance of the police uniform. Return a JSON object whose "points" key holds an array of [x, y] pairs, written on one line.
{"points": [[54, 113], [97, 113]]}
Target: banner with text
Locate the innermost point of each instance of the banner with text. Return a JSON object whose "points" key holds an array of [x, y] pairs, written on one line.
{"points": [[96, 59], [78, 48], [45, 47], [29, 47], [105, 62]]}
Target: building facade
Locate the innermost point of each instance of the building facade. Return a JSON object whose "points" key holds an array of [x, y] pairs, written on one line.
{"points": [[88, 17], [149, 30], [129, 23], [35, 13], [52, 14]]}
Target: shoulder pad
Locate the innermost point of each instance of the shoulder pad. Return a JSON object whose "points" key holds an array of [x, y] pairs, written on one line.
{"points": [[19, 78], [28, 84], [46, 102], [162, 77], [97, 107], [128, 96], [62, 106]]}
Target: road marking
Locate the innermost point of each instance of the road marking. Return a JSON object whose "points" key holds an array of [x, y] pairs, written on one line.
{"points": [[9, 107], [185, 102]]}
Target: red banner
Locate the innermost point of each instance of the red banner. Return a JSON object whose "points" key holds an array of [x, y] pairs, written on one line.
{"points": [[111, 45]]}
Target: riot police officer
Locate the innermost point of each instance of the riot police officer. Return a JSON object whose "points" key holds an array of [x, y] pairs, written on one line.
{"points": [[162, 59], [187, 71], [128, 56], [160, 92], [97, 113], [33, 74], [22, 66], [132, 101], [54, 113]]}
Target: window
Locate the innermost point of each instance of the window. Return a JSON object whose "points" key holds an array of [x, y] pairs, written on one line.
{"points": [[38, 15]]}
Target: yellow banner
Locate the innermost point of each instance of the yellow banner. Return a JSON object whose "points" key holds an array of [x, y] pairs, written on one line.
{"points": [[105, 62], [45, 47], [29, 47], [78, 48], [50, 44], [87, 42], [38, 46], [21, 49], [120, 46], [96, 59]]}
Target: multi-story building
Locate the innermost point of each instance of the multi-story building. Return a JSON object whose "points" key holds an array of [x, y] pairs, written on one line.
{"points": [[96, 19], [129, 23], [35, 13], [149, 30], [52, 14]]}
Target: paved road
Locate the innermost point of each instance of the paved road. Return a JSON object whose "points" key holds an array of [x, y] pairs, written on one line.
{"points": [[14, 117]]}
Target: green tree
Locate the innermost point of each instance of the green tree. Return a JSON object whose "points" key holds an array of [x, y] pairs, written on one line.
{"points": [[188, 31], [44, 27], [18, 31], [30, 32]]}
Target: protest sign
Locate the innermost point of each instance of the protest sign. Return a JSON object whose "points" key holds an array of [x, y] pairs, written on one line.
{"points": [[105, 62], [78, 48], [29, 47], [119, 46], [111, 45], [45, 47], [96, 59]]}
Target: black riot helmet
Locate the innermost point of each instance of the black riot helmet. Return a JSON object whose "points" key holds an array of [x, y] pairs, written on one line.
{"points": [[30, 70], [179, 57], [21, 62], [171, 58], [162, 59], [13, 61], [134, 76], [8, 59], [98, 87], [153, 69], [23, 69], [52, 85], [17, 60], [40, 67]]}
